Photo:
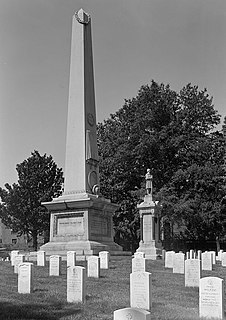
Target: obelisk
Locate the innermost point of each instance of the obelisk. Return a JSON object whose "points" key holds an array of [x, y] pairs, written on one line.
{"points": [[81, 219]]}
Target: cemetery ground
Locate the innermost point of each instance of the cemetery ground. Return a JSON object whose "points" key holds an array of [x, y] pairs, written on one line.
{"points": [[170, 298]]}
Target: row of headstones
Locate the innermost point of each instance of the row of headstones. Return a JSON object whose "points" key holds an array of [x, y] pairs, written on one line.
{"points": [[207, 258], [75, 274], [211, 289]]}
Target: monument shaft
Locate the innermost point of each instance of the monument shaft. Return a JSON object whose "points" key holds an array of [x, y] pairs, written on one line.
{"points": [[81, 163]]}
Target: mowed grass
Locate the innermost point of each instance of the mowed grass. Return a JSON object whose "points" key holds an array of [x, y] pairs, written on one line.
{"points": [[171, 300]]}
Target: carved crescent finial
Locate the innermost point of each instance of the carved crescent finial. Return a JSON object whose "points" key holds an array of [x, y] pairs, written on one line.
{"points": [[82, 17]]}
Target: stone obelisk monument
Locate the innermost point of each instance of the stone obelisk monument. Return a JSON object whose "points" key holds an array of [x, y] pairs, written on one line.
{"points": [[149, 211], [81, 219]]}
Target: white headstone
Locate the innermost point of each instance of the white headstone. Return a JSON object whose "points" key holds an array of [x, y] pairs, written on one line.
{"points": [[138, 254], [220, 253], [139, 265], [169, 259], [178, 263], [199, 255], [211, 298], [12, 256], [104, 259], [187, 255], [93, 267], [25, 277], [76, 284], [54, 265], [207, 261], [132, 313], [213, 256], [19, 258], [192, 254], [223, 259], [141, 290], [71, 258], [192, 272], [41, 258]]}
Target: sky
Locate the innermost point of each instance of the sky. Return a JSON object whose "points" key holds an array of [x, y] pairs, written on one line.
{"points": [[174, 42]]}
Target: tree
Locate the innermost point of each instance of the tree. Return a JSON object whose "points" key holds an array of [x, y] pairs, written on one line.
{"points": [[39, 180], [158, 129]]}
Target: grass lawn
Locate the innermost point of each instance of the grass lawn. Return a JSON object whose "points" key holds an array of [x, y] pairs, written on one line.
{"points": [[171, 300]]}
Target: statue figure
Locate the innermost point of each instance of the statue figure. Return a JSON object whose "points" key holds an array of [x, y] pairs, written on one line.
{"points": [[148, 178]]}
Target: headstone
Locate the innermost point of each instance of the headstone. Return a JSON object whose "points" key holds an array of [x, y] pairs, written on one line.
{"points": [[139, 254], [178, 263], [104, 259], [76, 284], [207, 261], [213, 256], [187, 255], [211, 298], [141, 290], [169, 259], [93, 267], [223, 259], [199, 255], [54, 265], [220, 253], [163, 254], [139, 265], [192, 272], [19, 258], [192, 254], [71, 258], [12, 256], [41, 258], [132, 313], [25, 277]]}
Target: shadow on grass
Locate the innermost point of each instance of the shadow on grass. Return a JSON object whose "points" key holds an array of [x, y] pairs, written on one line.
{"points": [[37, 311]]}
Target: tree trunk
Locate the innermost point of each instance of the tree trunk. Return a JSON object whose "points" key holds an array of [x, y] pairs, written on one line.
{"points": [[35, 239], [218, 243]]}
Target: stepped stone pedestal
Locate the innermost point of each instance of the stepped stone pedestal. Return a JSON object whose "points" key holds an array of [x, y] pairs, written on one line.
{"points": [[83, 225]]}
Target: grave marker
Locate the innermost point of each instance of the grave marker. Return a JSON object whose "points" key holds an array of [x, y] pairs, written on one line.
{"points": [[178, 263], [54, 265], [93, 267], [141, 290], [139, 254], [139, 265], [223, 259], [25, 277], [76, 284], [169, 259], [12, 256], [211, 298], [207, 261], [19, 258], [104, 259], [71, 258], [192, 272], [41, 258], [132, 313]]}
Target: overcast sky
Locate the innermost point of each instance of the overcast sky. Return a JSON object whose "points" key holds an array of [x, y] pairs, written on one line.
{"points": [[134, 41]]}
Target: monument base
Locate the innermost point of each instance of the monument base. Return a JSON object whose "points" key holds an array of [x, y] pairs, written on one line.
{"points": [[151, 251], [81, 223]]}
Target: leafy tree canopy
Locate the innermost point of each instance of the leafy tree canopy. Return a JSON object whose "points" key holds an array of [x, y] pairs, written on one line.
{"points": [[39, 180], [169, 132]]}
